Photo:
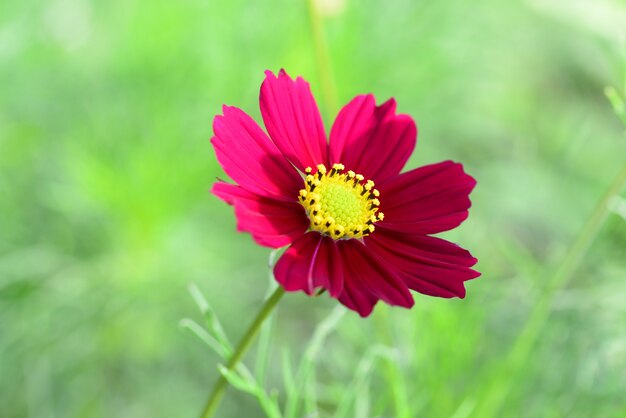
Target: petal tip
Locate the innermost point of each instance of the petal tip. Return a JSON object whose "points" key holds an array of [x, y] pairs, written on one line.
{"points": [[365, 312], [389, 106]]}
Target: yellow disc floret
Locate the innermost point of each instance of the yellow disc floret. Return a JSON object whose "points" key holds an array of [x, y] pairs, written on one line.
{"points": [[340, 204]]}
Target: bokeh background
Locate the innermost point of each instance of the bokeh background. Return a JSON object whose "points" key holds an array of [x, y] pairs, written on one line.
{"points": [[105, 215]]}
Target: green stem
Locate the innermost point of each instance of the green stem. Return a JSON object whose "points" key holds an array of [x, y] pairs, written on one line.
{"points": [[528, 337], [243, 346], [329, 93]]}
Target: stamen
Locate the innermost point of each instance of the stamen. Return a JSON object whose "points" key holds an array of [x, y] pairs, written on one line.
{"points": [[339, 203]]}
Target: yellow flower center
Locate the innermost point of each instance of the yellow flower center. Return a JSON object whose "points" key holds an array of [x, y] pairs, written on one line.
{"points": [[340, 204]]}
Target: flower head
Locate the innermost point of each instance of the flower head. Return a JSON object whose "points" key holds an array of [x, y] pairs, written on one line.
{"points": [[354, 224]]}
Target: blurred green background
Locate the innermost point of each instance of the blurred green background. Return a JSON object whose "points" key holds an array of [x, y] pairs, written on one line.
{"points": [[105, 215]]}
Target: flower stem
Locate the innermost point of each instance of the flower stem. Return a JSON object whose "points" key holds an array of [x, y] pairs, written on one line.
{"points": [[530, 333], [322, 59], [241, 349]]}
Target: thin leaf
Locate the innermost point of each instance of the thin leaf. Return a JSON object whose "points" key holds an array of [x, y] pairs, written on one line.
{"points": [[291, 390], [274, 256], [465, 409], [213, 324], [617, 102], [237, 381], [207, 338], [310, 389], [245, 382], [357, 386], [304, 378], [617, 205]]}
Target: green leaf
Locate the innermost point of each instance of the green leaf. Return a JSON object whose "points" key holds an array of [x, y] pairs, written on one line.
{"points": [[305, 377], [237, 381], [213, 324], [360, 379], [207, 338], [291, 390], [244, 381], [617, 102]]}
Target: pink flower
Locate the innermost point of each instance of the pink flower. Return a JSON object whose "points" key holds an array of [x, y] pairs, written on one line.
{"points": [[355, 225]]}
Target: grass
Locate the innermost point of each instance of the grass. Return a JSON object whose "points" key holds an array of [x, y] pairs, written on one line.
{"points": [[105, 216]]}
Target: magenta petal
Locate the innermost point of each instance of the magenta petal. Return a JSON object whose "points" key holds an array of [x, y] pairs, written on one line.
{"points": [[427, 200], [429, 265], [250, 158], [311, 262], [271, 223], [357, 298], [367, 278], [328, 268], [293, 120], [372, 140], [294, 268]]}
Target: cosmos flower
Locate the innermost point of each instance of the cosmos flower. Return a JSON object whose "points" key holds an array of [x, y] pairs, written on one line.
{"points": [[355, 225]]}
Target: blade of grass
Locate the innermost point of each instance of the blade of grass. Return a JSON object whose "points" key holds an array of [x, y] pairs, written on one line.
{"points": [[617, 102], [288, 380], [393, 375], [310, 393], [307, 364], [213, 324], [514, 363], [357, 386]]}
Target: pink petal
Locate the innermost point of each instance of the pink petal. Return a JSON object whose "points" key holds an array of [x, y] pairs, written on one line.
{"points": [[311, 262], [271, 223], [328, 268], [367, 278], [372, 140], [430, 265], [427, 200], [250, 158], [357, 298], [293, 120]]}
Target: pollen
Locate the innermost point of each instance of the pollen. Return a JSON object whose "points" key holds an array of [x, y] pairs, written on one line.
{"points": [[340, 204]]}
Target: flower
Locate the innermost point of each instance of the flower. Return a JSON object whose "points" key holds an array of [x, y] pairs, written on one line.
{"points": [[356, 227]]}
